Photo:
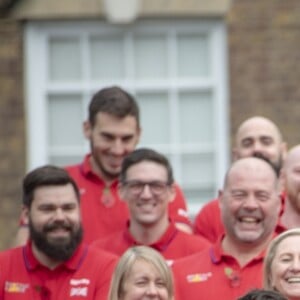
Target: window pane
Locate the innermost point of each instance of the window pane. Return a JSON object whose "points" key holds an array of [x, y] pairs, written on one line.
{"points": [[107, 57], [64, 60], [193, 55], [198, 168], [196, 117], [65, 120], [151, 57], [197, 197], [64, 160], [154, 118]]}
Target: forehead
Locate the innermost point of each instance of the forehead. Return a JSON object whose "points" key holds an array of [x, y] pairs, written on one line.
{"points": [[147, 170], [106, 121], [257, 128], [55, 194], [290, 243], [251, 174], [142, 268]]}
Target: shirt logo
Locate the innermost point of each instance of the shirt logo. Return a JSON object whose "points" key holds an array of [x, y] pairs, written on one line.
{"points": [[198, 277], [79, 287], [16, 287], [80, 291], [182, 212]]}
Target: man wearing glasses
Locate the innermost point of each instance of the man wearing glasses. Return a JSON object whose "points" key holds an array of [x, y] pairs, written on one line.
{"points": [[147, 186]]}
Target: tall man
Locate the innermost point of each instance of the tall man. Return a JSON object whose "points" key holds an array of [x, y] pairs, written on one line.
{"points": [[54, 264], [256, 136], [250, 207], [147, 186], [113, 131]]}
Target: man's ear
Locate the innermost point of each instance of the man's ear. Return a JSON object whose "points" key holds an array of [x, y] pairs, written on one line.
{"points": [[220, 197], [24, 215], [172, 192], [235, 154], [284, 149], [281, 181], [87, 129]]}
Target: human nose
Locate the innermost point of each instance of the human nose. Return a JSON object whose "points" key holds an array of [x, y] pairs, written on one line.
{"points": [[152, 289], [146, 191], [59, 214], [257, 147], [117, 147], [250, 202], [295, 266]]}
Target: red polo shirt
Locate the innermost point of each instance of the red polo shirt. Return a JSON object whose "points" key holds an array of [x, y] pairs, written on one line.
{"points": [[172, 245], [213, 274], [103, 212], [86, 275]]}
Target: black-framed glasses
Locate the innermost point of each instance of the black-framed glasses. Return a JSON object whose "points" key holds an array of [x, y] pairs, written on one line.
{"points": [[135, 187]]}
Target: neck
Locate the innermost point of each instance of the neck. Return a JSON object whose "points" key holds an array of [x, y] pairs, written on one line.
{"points": [[148, 234], [244, 252], [290, 217], [97, 170], [44, 259]]}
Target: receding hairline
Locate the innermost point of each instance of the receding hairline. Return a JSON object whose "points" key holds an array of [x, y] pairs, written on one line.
{"points": [[247, 162], [290, 157], [257, 119]]}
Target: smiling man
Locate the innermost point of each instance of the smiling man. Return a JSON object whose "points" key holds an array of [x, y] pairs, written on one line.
{"points": [[54, 264], [147, 186], [250, 207]]}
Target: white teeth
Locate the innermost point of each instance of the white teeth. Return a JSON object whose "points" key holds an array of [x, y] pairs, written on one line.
{"points": [[293, 280], [248, 220]]}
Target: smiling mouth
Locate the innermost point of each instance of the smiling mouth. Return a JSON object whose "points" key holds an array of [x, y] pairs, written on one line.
{"points": [[249, 220], [147, 205], [293, 280]]}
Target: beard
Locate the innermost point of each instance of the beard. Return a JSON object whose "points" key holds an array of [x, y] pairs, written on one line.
{"points": [[106, 173], [275, 165], [60, 249]]}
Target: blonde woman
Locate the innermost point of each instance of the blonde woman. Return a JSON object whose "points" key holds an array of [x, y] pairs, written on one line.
{"points": [[282, 264], [141, 272]]}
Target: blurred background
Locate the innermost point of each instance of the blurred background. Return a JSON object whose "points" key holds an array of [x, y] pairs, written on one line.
{"points": [[197, 68]]}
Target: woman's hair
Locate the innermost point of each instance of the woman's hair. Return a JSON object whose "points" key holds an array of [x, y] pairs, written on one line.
{"points": [[271, 252], [126, 262]]}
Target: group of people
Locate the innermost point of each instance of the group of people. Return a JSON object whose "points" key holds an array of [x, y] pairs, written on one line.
{"points": [[78, 221]]}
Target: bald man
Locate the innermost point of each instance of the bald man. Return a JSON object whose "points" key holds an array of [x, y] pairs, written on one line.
{"points": [[290, 176], [250, 206], [258, 137]]}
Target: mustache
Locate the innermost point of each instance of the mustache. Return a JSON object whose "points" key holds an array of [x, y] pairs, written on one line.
{"points": [[57, 225], [244, 213]]}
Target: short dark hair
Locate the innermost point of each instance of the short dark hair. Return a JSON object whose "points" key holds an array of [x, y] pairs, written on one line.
{"points": [[115, 101], [260, 294], [45, 176], [145, 154]]}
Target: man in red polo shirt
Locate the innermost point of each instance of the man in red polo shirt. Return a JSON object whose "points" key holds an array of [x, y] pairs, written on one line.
{"points": [[250, 206], [113, 131], [54, 264], [257, 136], [147, 186]]}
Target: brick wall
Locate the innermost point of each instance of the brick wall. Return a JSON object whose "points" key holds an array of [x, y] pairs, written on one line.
{"points": [[12, 132], [264, 61]]}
